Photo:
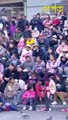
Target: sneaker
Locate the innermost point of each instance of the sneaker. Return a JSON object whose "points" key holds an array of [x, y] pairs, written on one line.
{"points": [[65, 110], [54, 103], [24, 108], [64, 103], [43, 109], [30, 108]]}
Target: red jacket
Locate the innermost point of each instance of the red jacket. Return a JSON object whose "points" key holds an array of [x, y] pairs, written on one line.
{"points": [[40, 90], [56, 21]]}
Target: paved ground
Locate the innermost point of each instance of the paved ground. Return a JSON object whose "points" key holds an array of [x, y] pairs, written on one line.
{"points": [[37, 115]]}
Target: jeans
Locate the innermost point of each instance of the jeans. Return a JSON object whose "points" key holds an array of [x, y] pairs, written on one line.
{"points": [[28, 101], [46, 101]]}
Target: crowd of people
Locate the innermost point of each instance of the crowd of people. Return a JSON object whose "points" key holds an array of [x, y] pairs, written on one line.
{"points": [[33, 54]]}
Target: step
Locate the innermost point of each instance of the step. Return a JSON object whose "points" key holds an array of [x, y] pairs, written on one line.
{"points": [[53, 107]]}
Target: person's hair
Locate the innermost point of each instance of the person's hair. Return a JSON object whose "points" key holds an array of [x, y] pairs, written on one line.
{"points": [[11, 78], [61, 59], [13, 23], [40, 79], [12, 65], [59, 75], [52, 56], [38, 57], [61, 35], [64, 41], [29, 87], [38, 14], [14, 54]]}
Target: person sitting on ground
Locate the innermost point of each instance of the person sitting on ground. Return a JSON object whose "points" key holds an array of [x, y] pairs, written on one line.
{"points": [[9, 72], [12, 49], [28, 64], [40, 89], [27, 32], [62, 47], [11, 89], [14, 60], [21, 45], [61, 91], [17, 35], [41, 92], [63, 66], [54, 42], [28, 97], [38, 52], [51, 65], [39, 67], [22, 74], [26, 51], [31, 41]]}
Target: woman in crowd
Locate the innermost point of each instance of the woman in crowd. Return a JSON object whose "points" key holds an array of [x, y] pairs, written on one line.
{"points": [[63, 66], [39, 67], [26, 51], [41, 92], [61, 91], [11, 90], [62, 47], [51, 65]]}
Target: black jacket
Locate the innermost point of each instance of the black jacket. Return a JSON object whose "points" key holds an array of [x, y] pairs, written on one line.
{"points": [[8, 73], [22, 23]]}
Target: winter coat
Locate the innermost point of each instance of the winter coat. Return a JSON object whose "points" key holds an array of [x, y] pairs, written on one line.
{"points": [[11, 89], [28, 94], [40, 90]]}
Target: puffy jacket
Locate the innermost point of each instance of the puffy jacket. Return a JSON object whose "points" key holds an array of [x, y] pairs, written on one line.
{"points": [[28, 94]]}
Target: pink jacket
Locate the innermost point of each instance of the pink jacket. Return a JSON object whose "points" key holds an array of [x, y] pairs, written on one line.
{"points": [[60, 48], [24, 53], [21, 44], [51, 65], [28, 94]]}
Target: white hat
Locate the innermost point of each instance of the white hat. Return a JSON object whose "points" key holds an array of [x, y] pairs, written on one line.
{"points": [[35, 45], [25, 70], [28, 46], [54, 36]]}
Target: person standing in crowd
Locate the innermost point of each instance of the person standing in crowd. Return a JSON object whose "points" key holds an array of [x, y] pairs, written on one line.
{"points": [[22, 22], [12, 28], [37, 22]]}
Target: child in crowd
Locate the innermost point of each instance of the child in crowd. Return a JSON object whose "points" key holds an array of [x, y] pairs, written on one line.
{"points": [[28, 97], [42, 92]]}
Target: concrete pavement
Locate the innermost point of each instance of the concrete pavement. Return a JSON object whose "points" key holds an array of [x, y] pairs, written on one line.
{"points": [[34, 115]]}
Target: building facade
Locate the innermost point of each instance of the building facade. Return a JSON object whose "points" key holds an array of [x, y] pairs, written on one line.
{"points": [[65, 4], [29, 7], [11, 7]]}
